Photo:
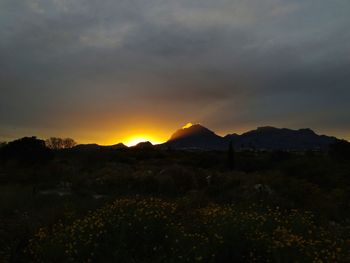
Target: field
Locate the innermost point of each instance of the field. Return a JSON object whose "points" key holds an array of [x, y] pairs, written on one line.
{"points": [[149, 205]]}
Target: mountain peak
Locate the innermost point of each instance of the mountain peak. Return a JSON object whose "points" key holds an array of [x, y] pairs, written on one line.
{"points": [[307, 131], [188, 125], [190, 130], [195, 136], [143, 145], [119, 146]]}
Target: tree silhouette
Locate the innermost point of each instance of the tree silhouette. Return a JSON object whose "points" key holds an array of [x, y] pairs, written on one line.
{"points": [[69, 143], [59, 143]]}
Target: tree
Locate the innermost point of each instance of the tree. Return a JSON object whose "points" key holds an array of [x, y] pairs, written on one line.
{"points": [[59, 143], [2, 144], [54, 143], [69, 143]]}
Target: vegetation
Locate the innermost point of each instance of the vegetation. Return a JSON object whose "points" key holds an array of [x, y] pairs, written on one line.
{"points": [[154, 230], [25, 150], [59, 143], [148, 205]]}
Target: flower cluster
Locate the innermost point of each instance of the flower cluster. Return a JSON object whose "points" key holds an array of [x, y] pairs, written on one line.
{"points": [[288, 236], [133, 229]]}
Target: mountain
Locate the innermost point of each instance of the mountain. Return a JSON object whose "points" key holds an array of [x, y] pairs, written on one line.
{"points": [[196, 137], [86, 147], [94, 146], [262, 138], [192, 137], [118, 146], [143, 145], [271, 138]]}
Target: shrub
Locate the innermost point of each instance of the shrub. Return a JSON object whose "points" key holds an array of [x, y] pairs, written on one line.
{"points": [[26, 150]]}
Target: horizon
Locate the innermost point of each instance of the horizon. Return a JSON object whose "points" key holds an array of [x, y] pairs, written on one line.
{"points": [[135, 139]]}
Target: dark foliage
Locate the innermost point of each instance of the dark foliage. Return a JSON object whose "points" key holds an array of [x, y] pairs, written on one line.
{"points": [[64, 188], [231, 157], [59, 143], [26, 150], [340, 150]]}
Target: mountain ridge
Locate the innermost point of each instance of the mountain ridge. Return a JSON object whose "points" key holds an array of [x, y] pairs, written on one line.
{"points": [[262, 138], [196, 136]]}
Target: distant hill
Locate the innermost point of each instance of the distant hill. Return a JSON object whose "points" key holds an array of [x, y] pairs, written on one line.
{"points": [[93, 147], [118, 146], [143, 145], [263, 138], [86, 147]]}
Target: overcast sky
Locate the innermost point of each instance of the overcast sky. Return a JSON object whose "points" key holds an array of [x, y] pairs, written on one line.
{"points": [[99, 71]]}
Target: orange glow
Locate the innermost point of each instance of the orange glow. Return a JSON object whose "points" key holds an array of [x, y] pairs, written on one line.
{"points": [[135, 139], [188, 125], [105, 131], [128, 132]]}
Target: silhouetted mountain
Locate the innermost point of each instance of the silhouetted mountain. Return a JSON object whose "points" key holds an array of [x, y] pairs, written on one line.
{"points": [[196, 136], [263, 138], [87, 147], [93, 146], [143, 145], [270, 138], [118, 146]]}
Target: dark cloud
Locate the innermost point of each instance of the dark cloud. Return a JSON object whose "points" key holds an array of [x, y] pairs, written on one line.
{"points": [[229, 64]]}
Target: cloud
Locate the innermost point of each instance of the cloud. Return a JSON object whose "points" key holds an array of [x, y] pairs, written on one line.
{"points": [[106, 37], [226, 63]]}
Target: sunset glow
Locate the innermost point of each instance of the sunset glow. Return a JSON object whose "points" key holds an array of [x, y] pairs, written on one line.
{"points": [[188, 125], [135, 139]]}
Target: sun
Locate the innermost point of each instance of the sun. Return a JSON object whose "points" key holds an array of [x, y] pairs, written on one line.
{"points": [[135, 139]]}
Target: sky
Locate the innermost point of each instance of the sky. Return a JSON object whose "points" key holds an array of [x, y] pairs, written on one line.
{"points": [[119, 70]]}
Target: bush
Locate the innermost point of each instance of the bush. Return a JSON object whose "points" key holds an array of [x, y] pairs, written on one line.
{"points": [[340, 150], [26, 150]]}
